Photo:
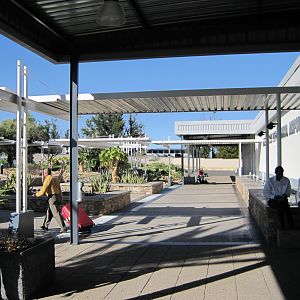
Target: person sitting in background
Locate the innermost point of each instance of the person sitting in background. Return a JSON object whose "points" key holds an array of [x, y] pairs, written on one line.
{"points": [[277, 190], [51, 188], [200, 176]]}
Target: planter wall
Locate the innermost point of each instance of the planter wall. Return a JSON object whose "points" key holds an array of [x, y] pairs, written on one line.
{"points": [[39, 204], [148, 188], [94, 205], [264, 216], [104, 204], [25, 273]]}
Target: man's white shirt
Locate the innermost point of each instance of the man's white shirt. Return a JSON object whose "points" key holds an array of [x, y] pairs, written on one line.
{"points": [[275, 187]]}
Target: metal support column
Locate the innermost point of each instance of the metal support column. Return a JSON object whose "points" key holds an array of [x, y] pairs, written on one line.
{"points": [[145, 171], [25, 146], [278, 114], [193, 159], [240, 159], [74, 149], [199, 157], [267, 143], [131, 159], [182, 164], [169, 178], [189, 165], [18, 139]]}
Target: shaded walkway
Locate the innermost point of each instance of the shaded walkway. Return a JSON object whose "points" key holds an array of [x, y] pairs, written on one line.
{"points": [[193, 242]]}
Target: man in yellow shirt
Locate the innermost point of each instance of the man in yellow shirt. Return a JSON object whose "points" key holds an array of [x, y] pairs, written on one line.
{"points": [[51, 188]]}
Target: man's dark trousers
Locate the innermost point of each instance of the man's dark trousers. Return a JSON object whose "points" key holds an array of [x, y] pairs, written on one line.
{"points": [[283, 208]]}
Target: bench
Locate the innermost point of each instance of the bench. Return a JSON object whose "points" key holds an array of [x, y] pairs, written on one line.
{"points": [[265, 217]]}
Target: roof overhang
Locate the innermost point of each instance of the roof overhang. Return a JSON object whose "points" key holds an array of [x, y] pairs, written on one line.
{"points": [[61, 29], [103, 143], [9, 102], [169, 143], [231, 99]]}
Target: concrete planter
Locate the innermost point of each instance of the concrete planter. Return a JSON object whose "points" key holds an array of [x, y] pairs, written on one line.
{"points": [[148, 188], [104, 204], [24, 273]]}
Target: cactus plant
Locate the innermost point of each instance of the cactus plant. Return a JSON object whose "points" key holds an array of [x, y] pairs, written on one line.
{"points": [[101, 183]]}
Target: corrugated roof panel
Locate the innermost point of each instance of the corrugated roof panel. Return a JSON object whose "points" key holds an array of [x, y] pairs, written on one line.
{"points": [[197, 103], [130, 105], [193, 103], [146, 104], [189, 103], [159, 104], [181, 101], [77, 17]]}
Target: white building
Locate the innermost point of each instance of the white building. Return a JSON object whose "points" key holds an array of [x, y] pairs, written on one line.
{"points": [[254, 154]]}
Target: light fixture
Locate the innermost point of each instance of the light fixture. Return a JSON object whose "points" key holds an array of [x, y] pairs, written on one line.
{"points": [[111, 14]]}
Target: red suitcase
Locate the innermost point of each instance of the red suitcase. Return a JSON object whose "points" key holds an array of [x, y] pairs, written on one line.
{"points": [[84, 221]]}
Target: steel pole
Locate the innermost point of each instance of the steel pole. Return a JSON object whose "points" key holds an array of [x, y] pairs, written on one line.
{"points": [[25, 145], [193, 159], [182, 164], [188, 153], [74, 149], [18, 138], [169, 178], [267, 143], [278, 114], [240, 159]]}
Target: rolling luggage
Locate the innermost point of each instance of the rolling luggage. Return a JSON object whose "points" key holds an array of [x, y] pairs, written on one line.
{"points": [[84, 221]]}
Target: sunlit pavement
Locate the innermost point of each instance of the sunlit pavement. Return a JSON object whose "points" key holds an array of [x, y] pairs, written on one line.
{"points": [[191, 242]]}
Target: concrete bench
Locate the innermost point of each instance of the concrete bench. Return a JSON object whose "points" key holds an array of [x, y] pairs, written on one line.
{"points": [[265, 218]]}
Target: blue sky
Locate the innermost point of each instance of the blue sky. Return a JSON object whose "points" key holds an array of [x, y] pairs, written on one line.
{"points": [[225, 71]]}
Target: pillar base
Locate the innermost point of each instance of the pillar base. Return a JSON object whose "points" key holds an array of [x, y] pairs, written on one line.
{"points": [[22, 223]]}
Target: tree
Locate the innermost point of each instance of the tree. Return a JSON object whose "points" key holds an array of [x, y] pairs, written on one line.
{"points": [[35, 132], [113, 159], [134, 128], [67, 134], [104, 125], [88, 158], [51, 131], [205, 151], [227, 151], [8, 131]]}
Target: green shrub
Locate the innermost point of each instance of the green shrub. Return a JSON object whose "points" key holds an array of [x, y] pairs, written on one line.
{"points": [[9, 186], [129, 177], [101, 183], [158, 171]]}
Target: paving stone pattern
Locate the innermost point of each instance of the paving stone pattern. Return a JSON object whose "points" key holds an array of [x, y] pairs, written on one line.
{"points": [[191, 242]]}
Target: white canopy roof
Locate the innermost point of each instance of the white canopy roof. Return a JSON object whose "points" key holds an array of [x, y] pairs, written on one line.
{"points": [[168, 143], [9, 102], [236, 99], [178, 100], [103, 143]]}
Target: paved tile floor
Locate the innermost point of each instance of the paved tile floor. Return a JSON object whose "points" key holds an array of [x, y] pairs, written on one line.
{"points": [[191, 242]]}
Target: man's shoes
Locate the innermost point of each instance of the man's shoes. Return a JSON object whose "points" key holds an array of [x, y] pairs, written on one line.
{"points": [[44, 228]]}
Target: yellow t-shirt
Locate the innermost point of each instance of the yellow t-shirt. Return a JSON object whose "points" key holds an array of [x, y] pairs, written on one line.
{"points": [[50, 186]]}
